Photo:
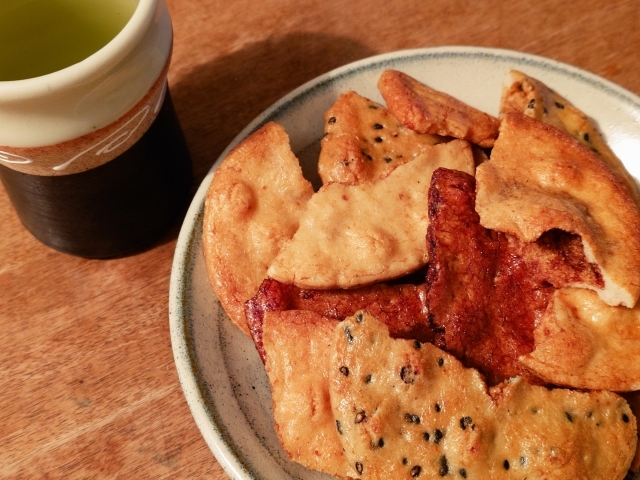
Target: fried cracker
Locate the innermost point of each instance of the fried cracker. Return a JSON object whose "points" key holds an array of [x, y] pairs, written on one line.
{"points": [[524, 94], [426, 110], [252, 207], [298, 345], [582, 342], [353, 235], [540, 178], [407, 410], [363, 141]]}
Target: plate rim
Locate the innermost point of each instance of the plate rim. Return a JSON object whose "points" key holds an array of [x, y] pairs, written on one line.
{"points": [[184, 250]]}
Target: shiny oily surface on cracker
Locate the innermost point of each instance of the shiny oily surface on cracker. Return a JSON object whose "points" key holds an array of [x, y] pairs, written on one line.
{"points": [[410, 410]]}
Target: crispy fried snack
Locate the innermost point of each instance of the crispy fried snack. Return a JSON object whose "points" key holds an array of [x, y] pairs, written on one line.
{"points": [[253, 206], [355, 235], [364, 142], [407, 410], [400, 306], [429, 111], [540, 178], [524, 94]]}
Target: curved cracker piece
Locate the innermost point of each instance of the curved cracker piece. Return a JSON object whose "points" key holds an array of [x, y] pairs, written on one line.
{"points": [[407, 410], [298, 345], [363, 141], [352, 235], [527, 95], [539, 178], [426, 110], [253, 205], [582, 342]]}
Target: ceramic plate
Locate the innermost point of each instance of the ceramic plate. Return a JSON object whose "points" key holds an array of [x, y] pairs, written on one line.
{"points": [[221, 374]]}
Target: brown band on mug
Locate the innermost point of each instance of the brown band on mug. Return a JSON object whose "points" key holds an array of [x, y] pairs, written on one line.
{"points": [[95, 148]]}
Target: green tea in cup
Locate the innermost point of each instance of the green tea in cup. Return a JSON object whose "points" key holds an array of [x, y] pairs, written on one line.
{"points": [[42, 36]]}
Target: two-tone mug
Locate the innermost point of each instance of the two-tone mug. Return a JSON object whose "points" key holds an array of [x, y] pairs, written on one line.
{"points": [[92, 156]]}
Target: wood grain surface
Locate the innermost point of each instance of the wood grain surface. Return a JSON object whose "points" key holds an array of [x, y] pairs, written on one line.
{"points": [[88, 387]]}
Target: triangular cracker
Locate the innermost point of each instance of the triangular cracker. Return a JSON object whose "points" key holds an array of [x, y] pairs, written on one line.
{"points": [[524, 94], [405, 410], [539, 178], [353, 235], [363, 141], [253, 205], [426, 110]]}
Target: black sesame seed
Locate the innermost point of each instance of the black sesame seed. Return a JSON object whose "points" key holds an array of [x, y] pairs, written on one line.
{"points": [[344, 371], [359, 317], [532, 103], [378, 139], [444, 466], [437, 407], [440, 361], [361, 417], [405, 460], [463, 473], [586, 137], [373, 107], [411, 418], [559, 105], [377, 126], [505, 464], [367, 379], [338, 427], [388, 159], [426, 436], [381, 443], [625, 418], [349, 336], [465, 422], [332, 120], [545, 110], [407, 374], [415, 471], [437, 436], [359, 468], [417, 344], [569, 417]]}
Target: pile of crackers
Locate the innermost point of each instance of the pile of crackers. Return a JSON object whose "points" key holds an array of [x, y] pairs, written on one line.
{"points": [[457, 300]]}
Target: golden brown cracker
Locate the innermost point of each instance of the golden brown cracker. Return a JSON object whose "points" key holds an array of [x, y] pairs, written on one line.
{"points": [[253, 206], [426, 110], [539, 178], [298, 345], [524, 94], [363, 141], [408, 410], [352, 235]]}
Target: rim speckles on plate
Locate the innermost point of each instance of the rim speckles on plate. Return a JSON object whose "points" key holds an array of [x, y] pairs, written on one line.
{"points": [[219, 369]]}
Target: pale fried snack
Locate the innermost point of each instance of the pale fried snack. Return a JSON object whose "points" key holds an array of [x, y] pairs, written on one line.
{"points": [[527, 95], [540, 178], [400, 306], [410, 410], [582, 342], [353, 235], [253, 206], [298, 345], [363, 141], [426, 110]]}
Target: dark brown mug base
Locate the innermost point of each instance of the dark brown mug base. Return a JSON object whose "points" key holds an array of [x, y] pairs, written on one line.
{"points": [[115, 209]]}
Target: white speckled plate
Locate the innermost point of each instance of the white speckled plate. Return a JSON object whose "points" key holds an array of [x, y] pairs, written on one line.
{"points": [[219, 369]]}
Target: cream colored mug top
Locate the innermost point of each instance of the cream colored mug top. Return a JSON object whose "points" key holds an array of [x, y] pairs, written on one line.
{"points": [[86, 97]]}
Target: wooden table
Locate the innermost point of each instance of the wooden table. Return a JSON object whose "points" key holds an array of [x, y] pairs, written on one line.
{"points": [[88, 387]]}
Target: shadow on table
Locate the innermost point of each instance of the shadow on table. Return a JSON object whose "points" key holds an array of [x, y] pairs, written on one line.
{"points": [[217, 100]]}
